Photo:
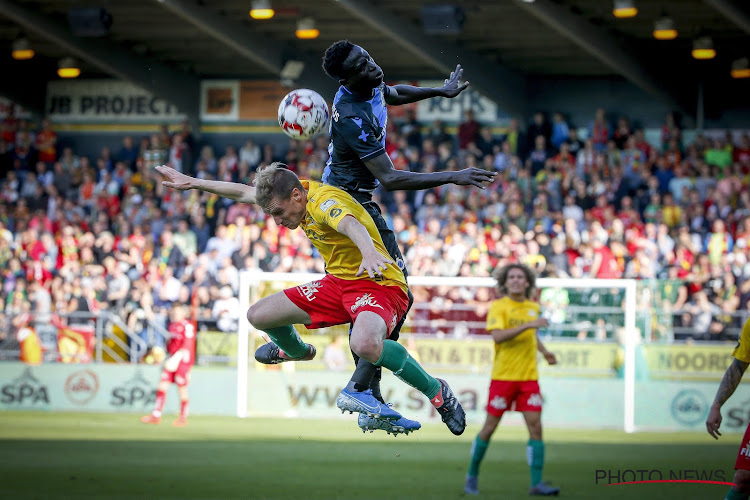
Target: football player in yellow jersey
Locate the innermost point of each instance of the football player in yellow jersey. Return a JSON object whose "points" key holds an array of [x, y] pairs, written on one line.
{"points": [[362, 286], [732, 377], [513, 321]]}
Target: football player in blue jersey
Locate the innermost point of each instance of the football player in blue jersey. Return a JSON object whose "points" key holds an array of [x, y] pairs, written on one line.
{"points": [[358, 163]]}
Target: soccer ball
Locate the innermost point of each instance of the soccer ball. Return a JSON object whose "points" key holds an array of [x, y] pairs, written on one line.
{"points": [[303, 113]]}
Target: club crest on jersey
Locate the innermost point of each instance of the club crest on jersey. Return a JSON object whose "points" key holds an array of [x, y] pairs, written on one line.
{"points": [[365, 300], [309, 290], [327, 205], [532, 314]]}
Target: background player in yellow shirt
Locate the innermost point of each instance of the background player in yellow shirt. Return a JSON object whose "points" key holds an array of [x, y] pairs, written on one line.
{"points": [[362, 286], [513, 321], [732, 377]]}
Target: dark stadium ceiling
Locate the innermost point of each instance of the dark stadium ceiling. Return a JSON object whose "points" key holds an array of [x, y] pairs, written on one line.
{"points": [[502, 43]]}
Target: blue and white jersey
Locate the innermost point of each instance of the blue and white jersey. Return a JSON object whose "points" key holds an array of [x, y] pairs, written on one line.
{"points": [[357, 134]]}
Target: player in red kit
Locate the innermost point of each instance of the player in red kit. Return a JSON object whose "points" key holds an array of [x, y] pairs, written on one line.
{"points": [[181, 355]]}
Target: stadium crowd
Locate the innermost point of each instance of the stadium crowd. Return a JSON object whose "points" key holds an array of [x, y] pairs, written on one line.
{"points": [[82, 233]]}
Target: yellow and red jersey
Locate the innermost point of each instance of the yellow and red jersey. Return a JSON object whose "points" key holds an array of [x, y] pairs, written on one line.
{"points": [[515, 359], [326, 208]]}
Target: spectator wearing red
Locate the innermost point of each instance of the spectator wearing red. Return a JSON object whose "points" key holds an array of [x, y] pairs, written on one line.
{"points": [[599, 130], [468, 131], [46, 143]]}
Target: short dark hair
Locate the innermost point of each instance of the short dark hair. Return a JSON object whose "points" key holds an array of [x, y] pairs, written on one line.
{"points": [[335, 56], [275, 181]]}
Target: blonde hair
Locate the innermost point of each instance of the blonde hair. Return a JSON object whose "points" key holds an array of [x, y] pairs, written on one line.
{"points": [[274, 181], [501, 275]]}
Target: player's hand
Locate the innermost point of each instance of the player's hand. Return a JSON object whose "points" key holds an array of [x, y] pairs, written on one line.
{"points": [[539, 323], [451, 87], [175, 179], [713, 422], [474, 177], [550, 357], [172, 363], [373, 265]]}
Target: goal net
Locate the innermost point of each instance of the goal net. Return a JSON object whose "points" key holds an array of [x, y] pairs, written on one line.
{"points": [[593, 332]]}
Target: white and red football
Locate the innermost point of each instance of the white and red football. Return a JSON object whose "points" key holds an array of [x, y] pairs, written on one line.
{"points": [[303, 114]]}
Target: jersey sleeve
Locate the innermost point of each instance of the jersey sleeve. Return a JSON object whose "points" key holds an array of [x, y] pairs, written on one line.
{"points": [[359, 133], [332, 206], [742, 351], [496, 316]]}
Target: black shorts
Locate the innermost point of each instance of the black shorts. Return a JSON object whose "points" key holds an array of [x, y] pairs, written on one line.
{"points": [[389, 237]]}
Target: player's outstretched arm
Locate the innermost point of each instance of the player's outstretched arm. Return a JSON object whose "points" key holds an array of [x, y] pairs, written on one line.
{"points": [[728, 384], [373, 263], [232, 190], [405, 94], [508, 333], [382, 168]]}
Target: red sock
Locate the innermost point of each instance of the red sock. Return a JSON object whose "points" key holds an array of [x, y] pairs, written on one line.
{"points": [[184, 408], [161, 396]]}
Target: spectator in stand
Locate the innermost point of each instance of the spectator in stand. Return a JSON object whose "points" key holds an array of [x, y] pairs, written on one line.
{"points": [[599, 131], [226, 311], [718, 154], [250, 154], [537, 159], [539, 126], [515, 139], [622, 133], [46, 143], [468, 131], [670, 130], [185, 239], [560, 130], [155, 154], [128, 152]]}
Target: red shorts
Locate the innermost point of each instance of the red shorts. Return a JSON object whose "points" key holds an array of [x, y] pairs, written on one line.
{"points": [[181, 376], [513, 395], [335, 301], [743, 456]]}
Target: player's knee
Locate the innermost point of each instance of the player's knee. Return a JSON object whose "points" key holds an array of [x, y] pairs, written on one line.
{"points": [[366, 348], [255, 316]]}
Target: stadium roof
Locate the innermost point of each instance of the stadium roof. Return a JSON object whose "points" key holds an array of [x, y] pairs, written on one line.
{"points": [[167, 46]]}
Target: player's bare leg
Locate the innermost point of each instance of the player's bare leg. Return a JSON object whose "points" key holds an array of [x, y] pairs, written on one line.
{"points": [[368, 340], [275, 316], [181, 421], [161, 396]]}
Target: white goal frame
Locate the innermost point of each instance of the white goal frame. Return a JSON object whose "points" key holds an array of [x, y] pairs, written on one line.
{"points": [[250, 280]]}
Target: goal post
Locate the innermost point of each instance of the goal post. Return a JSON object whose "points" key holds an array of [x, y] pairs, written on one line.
{"points": [[578, 315]]}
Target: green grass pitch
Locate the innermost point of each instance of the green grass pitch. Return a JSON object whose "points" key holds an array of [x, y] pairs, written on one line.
{"points": [[99, 456]]}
